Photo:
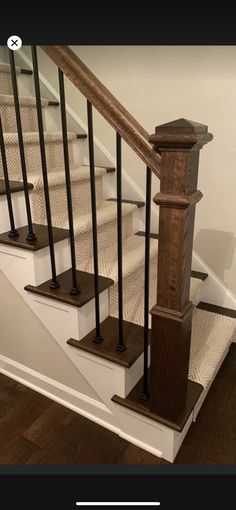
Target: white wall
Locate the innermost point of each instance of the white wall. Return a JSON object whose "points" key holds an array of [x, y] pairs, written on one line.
{"points": [[24, 339], [161, 83]]}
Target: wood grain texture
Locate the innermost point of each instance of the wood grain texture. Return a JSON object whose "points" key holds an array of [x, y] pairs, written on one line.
{"points": [[137, 404], [228, 312], [178, 143], [18, 452], [109, 107], [210, 440], [62, 293], [133, 339], [49, 425], [41, 232], [15, 186], [138, 203]]}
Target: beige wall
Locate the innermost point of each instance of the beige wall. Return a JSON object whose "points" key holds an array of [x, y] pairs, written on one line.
{"points": [[24, 339], [161, 83]]}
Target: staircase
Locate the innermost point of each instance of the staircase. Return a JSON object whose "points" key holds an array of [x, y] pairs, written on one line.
{"points": [[86, 261]]}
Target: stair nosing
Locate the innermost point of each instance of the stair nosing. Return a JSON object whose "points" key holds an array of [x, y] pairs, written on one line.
{"points": [[15, 186], [220, 310], [70, 299], [138, 203]]}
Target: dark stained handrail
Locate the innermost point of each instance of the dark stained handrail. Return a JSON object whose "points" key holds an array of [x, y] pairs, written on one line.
{"points": [[106, 104]]}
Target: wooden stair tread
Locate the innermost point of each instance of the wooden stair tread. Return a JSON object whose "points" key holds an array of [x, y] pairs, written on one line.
{"points": [[53, 103], [81, 136], [221, 310], [133, 335], [199, 275], [15, 186], [62, 293], [141, 233], [26, 71], [194, 274], [138, 405], [138, 203], [41, 232]]}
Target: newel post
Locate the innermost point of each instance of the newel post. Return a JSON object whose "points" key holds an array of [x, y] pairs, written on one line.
{"points": [[178, 143]]}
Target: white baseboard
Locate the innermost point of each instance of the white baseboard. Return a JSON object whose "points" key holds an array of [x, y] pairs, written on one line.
{"points": [[68, 397], [141, 444]]}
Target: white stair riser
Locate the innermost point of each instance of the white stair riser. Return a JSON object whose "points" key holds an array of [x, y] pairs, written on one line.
{"points": [[28, 267], [65, 321], [23, 267], [150, 435], [18, 204], [99, 371], [60, 319]]}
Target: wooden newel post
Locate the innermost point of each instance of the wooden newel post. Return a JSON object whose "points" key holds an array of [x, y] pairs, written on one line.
{"points": [[178, 143]]}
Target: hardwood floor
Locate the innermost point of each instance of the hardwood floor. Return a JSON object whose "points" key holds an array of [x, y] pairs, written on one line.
{"points": [[36, 430]]}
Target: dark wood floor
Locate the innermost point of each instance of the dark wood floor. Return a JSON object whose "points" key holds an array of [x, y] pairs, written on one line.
{"points": [[36, 430]]}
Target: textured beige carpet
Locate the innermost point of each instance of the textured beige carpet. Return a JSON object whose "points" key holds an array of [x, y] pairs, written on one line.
{"points": [[212, 333]]}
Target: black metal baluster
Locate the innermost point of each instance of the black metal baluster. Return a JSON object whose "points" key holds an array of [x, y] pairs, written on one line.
{"points": [[74, 289], [145, 393], [120, 346], [13, 232], [54, 283], [98, 338], [31, 235]]}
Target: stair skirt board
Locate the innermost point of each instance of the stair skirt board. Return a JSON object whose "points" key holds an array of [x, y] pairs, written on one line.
{"points": [[78, 402], [155, 438]]}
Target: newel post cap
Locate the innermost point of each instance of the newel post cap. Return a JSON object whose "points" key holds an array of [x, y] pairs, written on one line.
{"points": [[180, 134]]}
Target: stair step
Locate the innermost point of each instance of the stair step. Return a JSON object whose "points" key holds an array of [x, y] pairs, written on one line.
{"points": [[221, 310], [53, 148], [41, 232], [30, 101], [133, 336], [53, 103], [5, 68], [138, 203], [28, 113], [5, 77], [26, 71], [62, 293], [199, 275], [15, 186], [109, 169], [32, 137], [212, 335], [141, 233], [81, 136], [135, 403], [106, 213]]}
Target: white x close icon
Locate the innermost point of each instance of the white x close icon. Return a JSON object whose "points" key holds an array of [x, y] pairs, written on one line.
{"points": [[14, 42]]}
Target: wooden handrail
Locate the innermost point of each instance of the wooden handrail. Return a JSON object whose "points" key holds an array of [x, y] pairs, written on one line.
{"points": [[106, 104]]}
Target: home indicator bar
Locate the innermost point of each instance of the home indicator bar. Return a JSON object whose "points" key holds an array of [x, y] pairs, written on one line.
{"points": [[119, 503]]}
